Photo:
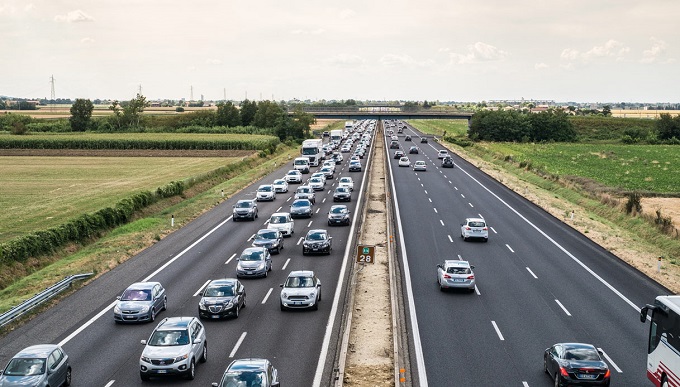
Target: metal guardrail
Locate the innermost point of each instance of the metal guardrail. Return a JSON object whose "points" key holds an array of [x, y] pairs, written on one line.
{"points": [[39, 298]]}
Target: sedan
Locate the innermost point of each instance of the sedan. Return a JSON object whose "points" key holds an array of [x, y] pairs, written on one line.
{"points": [[355, 166], [423, 140], [302, 289], [339, 215], [283, 222], [222, 298], [413, 150], [404, 162], [455, 274], [420, 166], [293, 176], [316, 183], [270, 238], [328, 171], [398, 154], [254, 262], [347, 182], [394, 144], [280, 186], [342, 194], [265, 192], [38, 365], [448, 162], [141, 301], [317, 241], [301, 208], [249, 372], [305, 192], [572, 364], [442, 154]]}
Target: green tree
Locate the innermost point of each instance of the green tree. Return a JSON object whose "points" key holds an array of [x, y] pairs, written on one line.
{"points": [[668, 127], [81, 113], [607, 111], [132, 112], [551, 125], [248, 110], [228, 115], [269, 115]]}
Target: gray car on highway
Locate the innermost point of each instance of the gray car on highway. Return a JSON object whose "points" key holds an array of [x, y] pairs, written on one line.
{"points": [[140, 302], [254, 262], [37, 366], [456, 274]]}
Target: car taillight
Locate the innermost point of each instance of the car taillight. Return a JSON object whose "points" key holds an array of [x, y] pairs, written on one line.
{"points": [[468, 228], [447, 276], [563, 372], [607, 374], [485, 229], [471, 277]]}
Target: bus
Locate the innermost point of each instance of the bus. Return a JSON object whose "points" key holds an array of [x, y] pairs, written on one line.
{"points": [[663, 346]]}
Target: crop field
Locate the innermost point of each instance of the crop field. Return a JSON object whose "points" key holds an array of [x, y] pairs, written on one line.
{"points": [[653, 168], [41, 192], [438, 127]]}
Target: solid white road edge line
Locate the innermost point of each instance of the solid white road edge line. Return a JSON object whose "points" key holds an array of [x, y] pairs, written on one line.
{"points": [[111, 305], [267, 296], [532, 273], [562, 306], [202, 287], [498, 331], [230, 258], [238, 344], [609, 359]]}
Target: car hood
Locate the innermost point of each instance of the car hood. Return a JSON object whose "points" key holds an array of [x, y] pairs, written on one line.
{"points": [[280, 226], [16, 381], [300, 209], [337, 216], [262, 242], [298, 291], [170, 351], [242, 210], [217, 300], [249, 264], [133, 305]]}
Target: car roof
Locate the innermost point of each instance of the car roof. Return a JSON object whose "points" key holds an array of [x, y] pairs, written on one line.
{"points": [[345, 178], [301, 273], [263, 230], [223, 281], [251, 249], [37, 351], [338, 206], [248, 365], [474, 220], [281, 214], [175, 322], [317, 230], [143, 285], [456, 263], [420, 162], [246, 201], [577, 346]]}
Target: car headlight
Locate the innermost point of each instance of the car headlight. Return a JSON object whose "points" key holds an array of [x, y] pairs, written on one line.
{"points": [[201, 305], [284, 295], [145, 359], [144, 309], [116, 309], [180, 358], [228, 304], [260, 266], [312, 295]]}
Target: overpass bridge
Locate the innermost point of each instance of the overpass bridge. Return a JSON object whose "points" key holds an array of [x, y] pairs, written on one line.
{"points": [[383, 113]]}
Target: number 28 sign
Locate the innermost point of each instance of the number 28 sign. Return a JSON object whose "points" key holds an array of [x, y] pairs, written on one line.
{"points": [[365, 254]]}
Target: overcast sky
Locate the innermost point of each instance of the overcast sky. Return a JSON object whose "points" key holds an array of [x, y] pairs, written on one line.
{"points": [[575, 50]]}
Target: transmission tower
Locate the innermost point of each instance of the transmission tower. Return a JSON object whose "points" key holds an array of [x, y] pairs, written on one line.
{"points": [[52, 93], [192, 93]]}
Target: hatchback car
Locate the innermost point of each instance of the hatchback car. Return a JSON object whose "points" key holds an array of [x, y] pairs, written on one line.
{"points": [[283, 222], [420, 166], [317, 241], [407, 138], [302, 289], [442, 154], [394, 144], [272, 239], [280, 186], [293, 176], [398, 154], [316, 183], [173, 348], [576, 364], [423, 140], [222, 298], [475, 228], [447, 162], [38, 365], [339, 215], [355, 166], [301, 208], [413, 150], [404, 162], [249, 372], [265, 192], [245, 209], [328, 171], [342, 194], [346, 182], [305, 192], [141, 301], [254, 262], [455, 274]]}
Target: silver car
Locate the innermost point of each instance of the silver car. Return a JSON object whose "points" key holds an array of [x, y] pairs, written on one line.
{"points": [[173, 348], [280, 186], [456, 274], [420, 166], [474, 228], [254, 262], [316, 183], [301, 208], [265, 192], [283, 222], [249, 372], [302, 289], [245, 209], [37, 366], [305, 192], [141, 301]]}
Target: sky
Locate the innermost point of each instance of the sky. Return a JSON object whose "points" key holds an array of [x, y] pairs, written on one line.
{"points": [[435, 50]]}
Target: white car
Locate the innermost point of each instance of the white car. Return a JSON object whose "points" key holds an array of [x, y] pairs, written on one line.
{"points": [[302, 289], [280, 186], [442, 153], [283, 222], [330, 164], [265, 192], [346, 182], [293, 176], [456, 274], [420, 166], [316, 183], [305, 192], [319, 175], [474, 228], [404, 162], [346, 148]]}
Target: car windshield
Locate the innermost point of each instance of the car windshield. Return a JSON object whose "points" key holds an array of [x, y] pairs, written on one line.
{"points": [[581, 354], [476, 224], [25, 367], [292, 172], [243, 205], [219, 291], [300, 204], [169, 338], [338, 210], [269, 234], [315, 180], [279, 182], [278, 219], [299, 282], [304, 190], [251, 255], [301, 162], [458, 270], [317, 236], [341, 189], [136, 295], [265, 188], [244, 379], [345, 180]]}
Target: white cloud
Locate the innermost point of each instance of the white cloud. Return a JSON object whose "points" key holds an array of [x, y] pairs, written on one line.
{"points": [[347, 14], [569, 54], [212, 61], [345, 60], [86, 41], [610, 49], [401, 60], [655, 53], [318, 31], [76, 16], [540, 66], [479, 52]]}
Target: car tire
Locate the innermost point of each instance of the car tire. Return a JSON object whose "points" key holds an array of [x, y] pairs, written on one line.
{"points": [[67, 379], [329, 223], [191, 373], [152, 315], [316, 306], [244, 301], [486, 240], [266, 273], [165, 303], [557, 380], [144, 377], [238, 310], [204, 354], [283, 308], [545, 365]]}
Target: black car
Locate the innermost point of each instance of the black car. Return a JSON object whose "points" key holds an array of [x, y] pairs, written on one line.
{"points": [[222, 298], [571, 364], [342, 194], [269, 238], [413, 150], [355, 166], [423, 140], [447, 162], [398, 154], [317, 241], [245, 209], [407, 138], [339, 215]]}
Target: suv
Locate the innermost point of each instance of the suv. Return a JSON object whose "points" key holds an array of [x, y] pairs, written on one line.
{"points": [[305, 192], [283, 222], [443, 153], [222, 298], [423, 140], [302, 289], [259, 372], [173, 348], [245, 209], [141, 301], [317, 241], [38, 365], [265, 192], [394, 144], [474, 228]]}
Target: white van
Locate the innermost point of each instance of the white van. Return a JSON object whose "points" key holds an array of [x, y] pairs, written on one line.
{"points": [[301, 164]]}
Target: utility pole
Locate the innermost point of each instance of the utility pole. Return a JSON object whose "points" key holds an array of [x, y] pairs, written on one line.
{"points": [[192, 93], [140, 89], [225, 94]]}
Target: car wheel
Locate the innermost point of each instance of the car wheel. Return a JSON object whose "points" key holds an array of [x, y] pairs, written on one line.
{"points": [[67, 380], [266, 273], [278, 250], [165, 303], [304, 252], [204, 355], [486, 240], [283, 308], [145, 377], [238, 310], [557, 379], [316, 306], [152, 315], [191, 373], [545, 365], [329, 222], [244, 301]]}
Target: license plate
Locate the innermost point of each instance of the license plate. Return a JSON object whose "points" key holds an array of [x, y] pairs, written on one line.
{"points": [[162, 371], [315, 249], [215, 316], [458, 280], [587, 376], [297, 303]]}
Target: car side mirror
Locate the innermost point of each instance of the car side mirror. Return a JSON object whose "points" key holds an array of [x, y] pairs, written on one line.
{"points": [[118, 298], [143, 342], [214, 385], [198, 341], [234, 206], [280, 285], [472, 266]]}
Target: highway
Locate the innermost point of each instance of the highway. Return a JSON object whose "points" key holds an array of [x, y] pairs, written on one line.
{"points": [[103, 353], [539, 282]]}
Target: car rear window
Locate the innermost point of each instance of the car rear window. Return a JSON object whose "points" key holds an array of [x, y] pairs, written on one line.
{"points": [[476, 224]]}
